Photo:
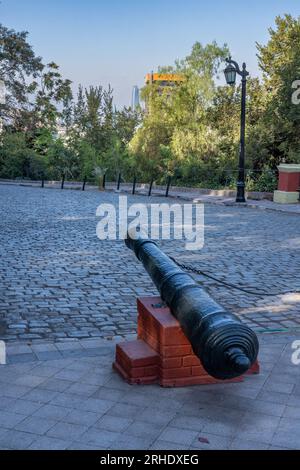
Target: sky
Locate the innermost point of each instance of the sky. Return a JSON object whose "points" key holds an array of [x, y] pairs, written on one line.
{"points": [[118, 41]]}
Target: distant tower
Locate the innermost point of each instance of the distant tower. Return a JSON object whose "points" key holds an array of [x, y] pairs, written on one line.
{"points": [[135, 99]]}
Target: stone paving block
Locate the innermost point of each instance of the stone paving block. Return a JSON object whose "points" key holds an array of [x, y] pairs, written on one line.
{"points": [[244, 444], [94, 404], [205, 441], [48, 355], [51, 412], [222, 428], [40, 395], [113, 423], [43, 347], [87, 418], [6, 403], [178, 436], [135, 398], [69, 374], [107, 393], [274, 397], [82, 389], [289, 425], [116, 382], [56, 385], [124, 442], [49, 443], [165, 445], [24, 407], [99, 377], [13, 391], [292, 412], [35, 425], [291, 377], [152, 415], [45, 370], [81, 365], [286, 439], [144, 430], [13, 349], [280, 387], [256, 406], [258, 427], [17, 358], [125, 410], [210, 411], [71, 430], [66, 400], [101, 438], [9, 420], [277, 448], [17, 440], [81, 446], [167, 404], [30, 380], [72, 353], [188, 422]]}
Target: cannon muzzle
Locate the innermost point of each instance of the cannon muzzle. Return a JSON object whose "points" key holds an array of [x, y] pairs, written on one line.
{"points": [[226, 347]]}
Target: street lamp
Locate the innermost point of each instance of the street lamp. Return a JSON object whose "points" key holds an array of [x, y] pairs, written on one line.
{"points": [[230, 75]]}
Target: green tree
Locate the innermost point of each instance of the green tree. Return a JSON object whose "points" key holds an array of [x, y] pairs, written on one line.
{"points": [[63, 160], [18, 67], [19, 160], [279, 60], [175, 129]]}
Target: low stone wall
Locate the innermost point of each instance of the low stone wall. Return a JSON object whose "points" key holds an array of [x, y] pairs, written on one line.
{"points": [[255, 195]]}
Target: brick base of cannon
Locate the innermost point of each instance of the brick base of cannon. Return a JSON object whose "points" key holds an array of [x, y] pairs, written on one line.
{"points": [[161, 353]]}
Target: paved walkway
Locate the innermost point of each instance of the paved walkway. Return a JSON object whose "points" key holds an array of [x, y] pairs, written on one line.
{"points": [[66, 396], [57, 280], [67, 298]]}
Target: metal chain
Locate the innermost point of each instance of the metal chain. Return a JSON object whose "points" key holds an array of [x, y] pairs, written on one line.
{"points": [[194, 270]]}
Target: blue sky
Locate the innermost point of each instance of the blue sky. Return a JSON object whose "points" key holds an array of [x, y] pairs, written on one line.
{"points": [[118, 42]]}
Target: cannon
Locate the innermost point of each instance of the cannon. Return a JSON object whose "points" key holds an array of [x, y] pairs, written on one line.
{"points": [[226, 347]]}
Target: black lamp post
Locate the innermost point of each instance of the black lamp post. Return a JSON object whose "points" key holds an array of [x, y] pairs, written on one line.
{"points": [[230, 74]]}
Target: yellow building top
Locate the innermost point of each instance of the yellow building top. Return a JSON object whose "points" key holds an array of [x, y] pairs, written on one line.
{"points": [[163, 77]]}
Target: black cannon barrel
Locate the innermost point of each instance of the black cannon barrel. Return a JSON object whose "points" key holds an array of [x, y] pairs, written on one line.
{"points": [[226, 347]]}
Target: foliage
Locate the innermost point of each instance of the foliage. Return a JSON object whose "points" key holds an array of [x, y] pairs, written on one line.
{"points": [[62, 160], [175, 128], [18, 160], [279, 60], [266, 180], [190, 131]]}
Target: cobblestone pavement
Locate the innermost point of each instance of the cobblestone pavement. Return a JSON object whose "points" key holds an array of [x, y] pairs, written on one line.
{"points": [[58, 281], [66, 396]]}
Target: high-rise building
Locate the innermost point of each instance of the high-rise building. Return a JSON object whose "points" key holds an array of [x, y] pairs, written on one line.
{"points": [[135, 98]]}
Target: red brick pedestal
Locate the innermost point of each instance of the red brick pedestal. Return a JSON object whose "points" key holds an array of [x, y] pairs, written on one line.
{"points": [[288, 184], [161, 353]]}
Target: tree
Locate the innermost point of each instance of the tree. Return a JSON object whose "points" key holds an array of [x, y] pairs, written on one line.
{"points": [[62, 160], [18, 66], [175, 127], [126, 122], [279, 60], [34, 91], [49, 92], [19, 160]]}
